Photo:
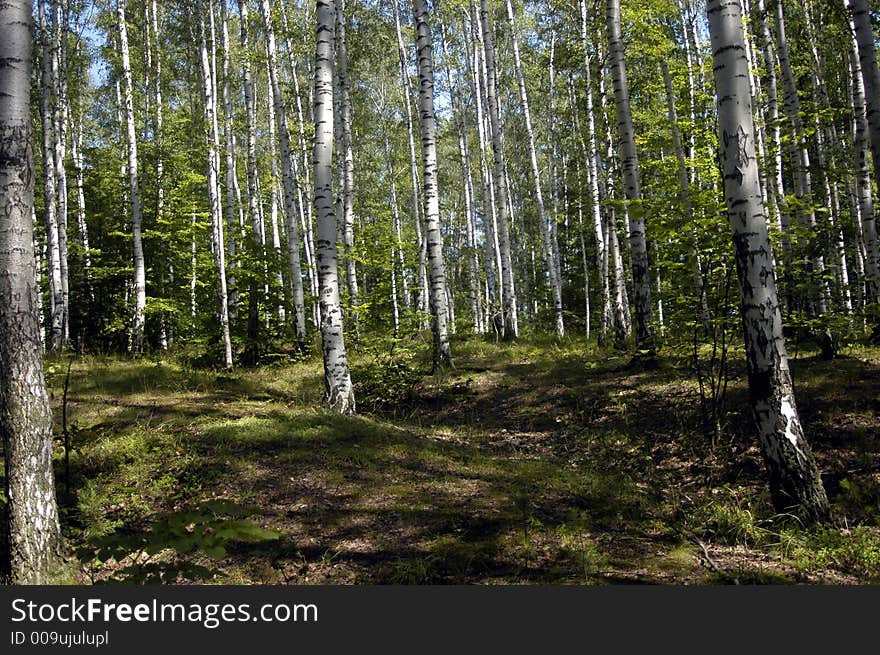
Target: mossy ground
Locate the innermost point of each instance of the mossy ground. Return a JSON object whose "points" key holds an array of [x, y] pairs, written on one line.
{"points": [[527, 463]]}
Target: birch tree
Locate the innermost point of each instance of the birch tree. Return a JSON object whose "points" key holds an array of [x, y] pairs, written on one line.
{"points": [[803, 182], [209, 106], [868, 113], [544, 221], [338, 390], [60, 112], [33, 530], [431, 197], [347, 161], [592, 157], [56, 293], [288, 179], [508, 306], [413, 165], [795, 485], [629, 164], [134, 187]]}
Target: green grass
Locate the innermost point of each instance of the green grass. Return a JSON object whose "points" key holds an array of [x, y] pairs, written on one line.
{"points": [[529, 462]]}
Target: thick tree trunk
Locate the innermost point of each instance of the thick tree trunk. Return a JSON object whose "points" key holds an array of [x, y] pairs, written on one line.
{"points": [[795, 484], [140, 278], [547, 231], [25, 416], [339, 393], [629, 164], [508, 303], [436, 266]]}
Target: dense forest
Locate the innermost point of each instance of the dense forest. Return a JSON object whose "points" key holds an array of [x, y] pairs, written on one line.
{"points": [[501, 291]]}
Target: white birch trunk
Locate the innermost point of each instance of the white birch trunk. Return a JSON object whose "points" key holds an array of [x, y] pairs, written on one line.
{"points": [[802, 175], [347, 163], [213, 169], [288, 178], [629, 165], [56, 295], [140, 280], [233, 200], [546, 228], [339, 393], [508, 307], [60, 111], [34, 536], [424, 291], [795, 484], [870, 75], [491, 258], [592, 157], [470, 206], [436, 266]]}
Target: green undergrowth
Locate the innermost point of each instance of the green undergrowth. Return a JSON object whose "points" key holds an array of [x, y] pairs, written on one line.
{"points": [[528, 462]]}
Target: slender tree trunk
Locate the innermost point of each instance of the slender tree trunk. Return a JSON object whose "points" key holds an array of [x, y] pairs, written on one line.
{"points": [[273, 185], [772, 116], [60, 112], [303, 161], [76, 156], [396, 249], [347, 163], [592, 158], [34, 535], [795, 484], [629, 164], [252, 352], [339, 393], [424, 291], [608, 191], [508, 307], [470, 205], [140, 279], [233, 199], [802, 175], [491, 257], [288, 179], [427, 124], [213, 171], [56, 295], [158, 118], [870, 77], [550, 250]]}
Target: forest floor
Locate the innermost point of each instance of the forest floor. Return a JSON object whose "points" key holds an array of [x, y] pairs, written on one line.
{"points": [[529, 463]]}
